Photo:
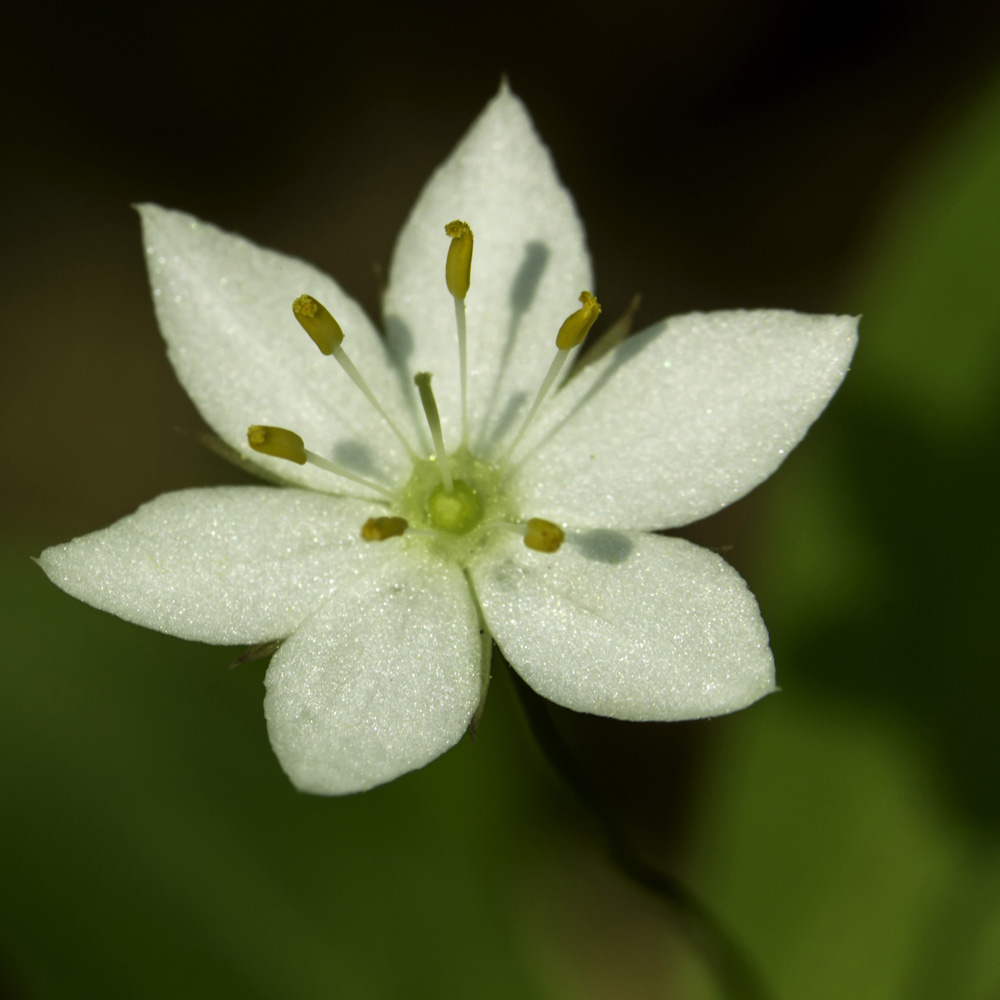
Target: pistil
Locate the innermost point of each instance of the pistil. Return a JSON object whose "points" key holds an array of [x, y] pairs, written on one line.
{"points": [[427, 400]]}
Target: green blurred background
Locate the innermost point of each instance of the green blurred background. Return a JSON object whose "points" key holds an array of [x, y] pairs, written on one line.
{"points": [[825, 157]]}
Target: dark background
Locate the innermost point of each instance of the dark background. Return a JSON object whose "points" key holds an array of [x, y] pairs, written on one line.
{"points": [[817, 156]]}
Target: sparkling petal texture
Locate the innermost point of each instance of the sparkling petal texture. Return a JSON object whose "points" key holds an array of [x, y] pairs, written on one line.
{"points": [[225, 309], [628, 625], [684, 418], [226, 565], [385, 657], [380, 681], [529, 265]]}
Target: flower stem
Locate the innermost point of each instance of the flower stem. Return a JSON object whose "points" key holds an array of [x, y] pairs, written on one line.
{"points": [[733, 970]]}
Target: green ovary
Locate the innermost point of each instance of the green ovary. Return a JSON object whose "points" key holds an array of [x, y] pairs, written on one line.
{"points": [[457, 512]]}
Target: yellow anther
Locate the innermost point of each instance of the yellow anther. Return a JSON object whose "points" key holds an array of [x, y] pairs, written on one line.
{"points": [[543, 536], [285, 444], [458, 269], [278, 442], [577, 326], [378, 529], [318, 323]]}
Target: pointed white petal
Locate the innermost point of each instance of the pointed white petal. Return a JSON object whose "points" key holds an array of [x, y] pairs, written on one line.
{"points": [[684, 418], [529, 265], [225, 309], [226, 565], [627, 625], [382, 680]]}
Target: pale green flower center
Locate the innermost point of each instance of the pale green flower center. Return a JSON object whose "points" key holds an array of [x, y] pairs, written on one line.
{"points": [[463, 520], [455, 499]]}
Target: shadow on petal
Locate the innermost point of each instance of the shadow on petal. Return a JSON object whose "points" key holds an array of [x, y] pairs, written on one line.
{"points": [[400, 336], [603, 545], [527, 279], [523, 290], [356, 455]]}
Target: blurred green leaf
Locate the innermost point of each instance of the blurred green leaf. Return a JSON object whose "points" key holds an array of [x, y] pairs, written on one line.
{"points": [[845, 875], [929, 287], [853, 837], [876, 586]]}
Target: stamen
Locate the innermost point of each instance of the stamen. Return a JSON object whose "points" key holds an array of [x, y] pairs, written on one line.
{"points": [[458, 269], [278, 442], [543, 536], [608, 338], [378, 529], [423, 381], [571, 334], [282, 443], [318, 323], [326, 333], [458, 276], [577, 326]]}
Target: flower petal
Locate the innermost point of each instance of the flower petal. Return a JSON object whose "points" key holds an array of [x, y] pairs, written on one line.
{"points": [[529, 265], [627, 625], [226, 565], [225, 309], [684, 418], [380, 681]]}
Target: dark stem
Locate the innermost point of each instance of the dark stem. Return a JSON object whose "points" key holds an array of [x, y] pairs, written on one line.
{"points": [[732, 968]]}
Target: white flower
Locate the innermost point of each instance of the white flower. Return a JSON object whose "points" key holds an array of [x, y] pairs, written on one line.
{"points": [[386, 648]]}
